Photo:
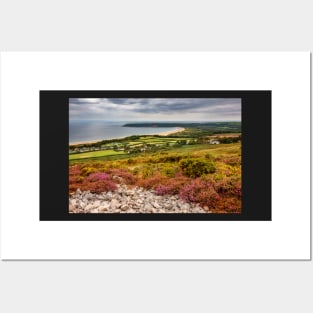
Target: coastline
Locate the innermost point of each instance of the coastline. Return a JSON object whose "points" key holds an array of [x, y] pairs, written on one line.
{"points": [[83, 142], [178, 130]]}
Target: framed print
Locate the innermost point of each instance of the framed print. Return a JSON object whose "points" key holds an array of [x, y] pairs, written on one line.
{"points": [[155, 155], [179, 156]]}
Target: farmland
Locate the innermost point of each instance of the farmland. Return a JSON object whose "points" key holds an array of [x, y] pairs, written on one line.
{"points": [[199, 134], [127, 146], [95, 154]]}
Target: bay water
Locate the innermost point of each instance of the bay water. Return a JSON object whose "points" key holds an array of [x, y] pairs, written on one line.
{"points": [[91, 130]]}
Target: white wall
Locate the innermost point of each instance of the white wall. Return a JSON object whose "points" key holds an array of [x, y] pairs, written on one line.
{"points": [[46, 286]]}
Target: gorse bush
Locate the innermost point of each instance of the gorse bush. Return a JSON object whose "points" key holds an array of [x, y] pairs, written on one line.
{"points": [[144, 171], [170, 158], [209, 156], [85, 171], [147, 171], [170, 170], [197, 167]]}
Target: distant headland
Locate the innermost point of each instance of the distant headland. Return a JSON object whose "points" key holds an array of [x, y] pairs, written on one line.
{"points": [[182, 124]]}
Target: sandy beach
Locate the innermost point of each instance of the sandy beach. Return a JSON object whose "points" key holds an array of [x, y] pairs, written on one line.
{"points": [[180, 129], [84, 142]]}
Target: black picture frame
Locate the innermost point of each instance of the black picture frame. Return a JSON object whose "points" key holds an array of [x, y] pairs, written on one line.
{"points": [[256, 154]]}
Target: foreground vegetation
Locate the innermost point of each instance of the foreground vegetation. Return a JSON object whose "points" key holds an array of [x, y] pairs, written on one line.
{"points": [[187, 166]]}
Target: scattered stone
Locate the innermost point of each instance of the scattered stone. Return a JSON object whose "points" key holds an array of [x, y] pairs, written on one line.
{"points": [[105, 204], [130, 200], [115, 204], [156, 205], [81, 204], [124, 207], [96, 203], [88, 207], [185, 207], [71, 208], [148, 207], [102, 209]]}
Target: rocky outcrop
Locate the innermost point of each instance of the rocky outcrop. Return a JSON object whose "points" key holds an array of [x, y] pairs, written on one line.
{"points": [[129, 200]]}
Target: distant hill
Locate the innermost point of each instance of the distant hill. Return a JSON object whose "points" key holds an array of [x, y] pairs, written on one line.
{"points": [[233, 125]]}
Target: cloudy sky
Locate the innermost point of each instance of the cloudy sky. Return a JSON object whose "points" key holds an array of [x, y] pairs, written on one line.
{"points": [[155, 109]]}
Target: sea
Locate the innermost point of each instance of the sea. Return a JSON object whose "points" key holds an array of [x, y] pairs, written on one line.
{"points": [[91, 130]]}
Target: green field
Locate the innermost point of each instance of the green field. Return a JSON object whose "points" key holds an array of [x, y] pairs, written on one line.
{"points": [[198, 149], [153, 145], [94, 154]]}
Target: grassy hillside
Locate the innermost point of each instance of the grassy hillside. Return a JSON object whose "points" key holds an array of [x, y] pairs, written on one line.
{"points": [[203, 173]]}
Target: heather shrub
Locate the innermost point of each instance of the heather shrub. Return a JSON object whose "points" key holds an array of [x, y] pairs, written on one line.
{"points": [[74, 170], [98, 186], [162, 190], [73, 187], [75, 179], [229, 205], [228, 187], [97, 177], [197, 167], [123, 175], [233, 160], [200, 191], [151, 182], [171, 186], [95, 182]]}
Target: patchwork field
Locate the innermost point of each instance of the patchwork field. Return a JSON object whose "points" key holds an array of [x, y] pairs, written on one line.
{"points": [[95, 154]]}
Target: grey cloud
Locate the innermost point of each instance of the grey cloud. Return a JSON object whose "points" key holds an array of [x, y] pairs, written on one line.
{"points": [[154, 108]]}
